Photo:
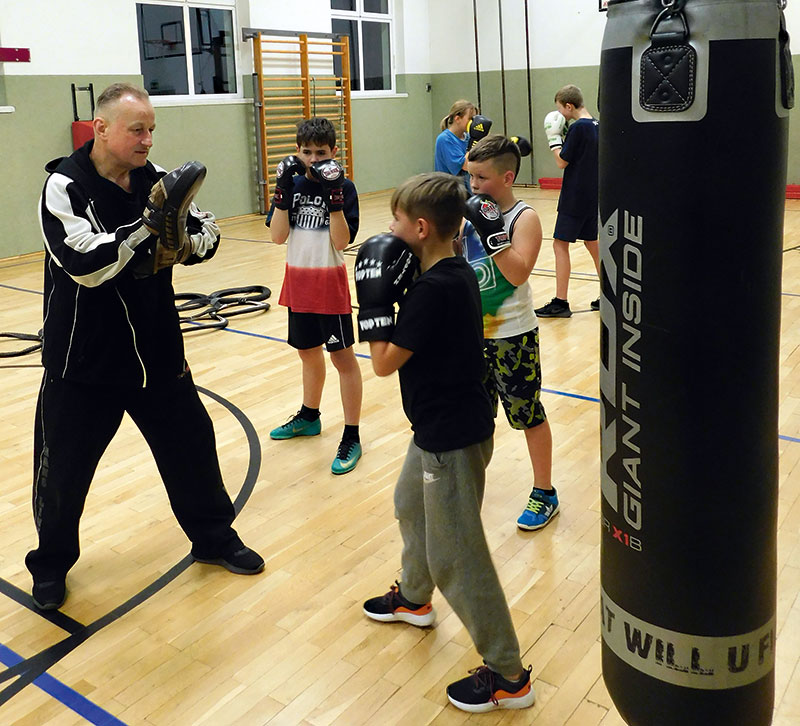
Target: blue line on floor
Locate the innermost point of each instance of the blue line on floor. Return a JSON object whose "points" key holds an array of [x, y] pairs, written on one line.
{"points": [[571, 395], [64, 694], [580, 397]]}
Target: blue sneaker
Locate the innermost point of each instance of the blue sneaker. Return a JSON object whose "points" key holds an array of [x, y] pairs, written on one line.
{"points": [[346, 457], [296, 426], [540, 510]]}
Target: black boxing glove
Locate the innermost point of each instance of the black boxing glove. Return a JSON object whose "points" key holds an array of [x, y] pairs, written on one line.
{"points": [[385, 267], [487, 219], [284, 180], [330, 174], [523, 145], [477, 128]]}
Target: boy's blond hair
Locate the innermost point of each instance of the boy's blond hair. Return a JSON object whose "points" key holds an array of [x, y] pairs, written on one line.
{"points": [[436, 197], [569, 94], [501, 151]]}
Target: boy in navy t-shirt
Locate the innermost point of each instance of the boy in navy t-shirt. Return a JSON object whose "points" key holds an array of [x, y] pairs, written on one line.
{"points": [[577, 205]]}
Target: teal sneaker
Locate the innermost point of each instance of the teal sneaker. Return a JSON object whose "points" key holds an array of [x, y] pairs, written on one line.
{"points": [[296, 426], [346, 457], [540, 510]]}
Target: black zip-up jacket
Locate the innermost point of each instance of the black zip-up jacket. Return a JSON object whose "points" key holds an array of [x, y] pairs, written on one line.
{"points": [[102, 324]]}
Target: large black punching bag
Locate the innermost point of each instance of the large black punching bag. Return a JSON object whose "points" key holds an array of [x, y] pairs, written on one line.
{"points": [[694, 99]]}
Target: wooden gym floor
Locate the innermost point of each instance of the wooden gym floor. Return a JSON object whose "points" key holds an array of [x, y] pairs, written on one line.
{"points": [[147, 638]]}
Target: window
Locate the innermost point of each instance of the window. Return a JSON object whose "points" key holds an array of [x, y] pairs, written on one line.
{"points": [[180, 62], [369, 25]]}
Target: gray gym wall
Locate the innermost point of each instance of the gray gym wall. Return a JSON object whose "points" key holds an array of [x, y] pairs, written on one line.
{"points": [[393, 137]]}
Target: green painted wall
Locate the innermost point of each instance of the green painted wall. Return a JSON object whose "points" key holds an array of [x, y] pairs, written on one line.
{"points": [[544, 83], [393, 137], [221, 136]]}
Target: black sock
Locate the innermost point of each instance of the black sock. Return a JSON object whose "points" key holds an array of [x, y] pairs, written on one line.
{"points": [[549, 492], [351, 433], [309, 414]]}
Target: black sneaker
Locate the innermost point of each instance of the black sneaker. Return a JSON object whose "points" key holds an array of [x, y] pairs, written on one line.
{"points": [[393, 607], [556, 308], [49, 595], [596, 304], [242, 562], [484, 690]]}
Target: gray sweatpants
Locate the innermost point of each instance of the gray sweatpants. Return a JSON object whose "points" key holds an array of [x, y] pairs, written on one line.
{"points": [[438, 501]]}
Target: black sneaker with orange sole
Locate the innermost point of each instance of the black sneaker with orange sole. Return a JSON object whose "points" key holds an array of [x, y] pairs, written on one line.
{"points": [[484, 690], [393, 607]]}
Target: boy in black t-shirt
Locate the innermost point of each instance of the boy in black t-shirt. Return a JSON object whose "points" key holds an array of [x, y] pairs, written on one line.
{"points": [[437, 347], [577, 204]]}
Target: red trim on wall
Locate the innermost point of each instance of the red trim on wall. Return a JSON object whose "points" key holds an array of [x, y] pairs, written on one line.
{"points": [[15, 55]]}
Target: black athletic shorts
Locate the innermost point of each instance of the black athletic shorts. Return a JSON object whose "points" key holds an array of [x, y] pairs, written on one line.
{"points": [[309, 330], [570, 228]]}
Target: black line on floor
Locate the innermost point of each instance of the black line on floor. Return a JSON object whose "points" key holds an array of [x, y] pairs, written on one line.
{"points": [[31, 668], [54, 616]]}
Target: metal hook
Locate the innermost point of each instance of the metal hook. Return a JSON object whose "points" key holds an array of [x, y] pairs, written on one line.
{"points": [[670, 10]]}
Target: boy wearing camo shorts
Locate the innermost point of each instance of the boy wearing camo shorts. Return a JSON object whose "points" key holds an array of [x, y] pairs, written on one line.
{"points": [[503, 260]]}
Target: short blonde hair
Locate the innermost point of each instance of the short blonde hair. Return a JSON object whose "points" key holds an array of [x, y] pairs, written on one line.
{"points": [[459, 108], [436, 197], [569, 94]]}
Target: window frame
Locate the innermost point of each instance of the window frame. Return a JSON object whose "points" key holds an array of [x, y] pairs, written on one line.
{"points": [[193, 97], [359, 16]]}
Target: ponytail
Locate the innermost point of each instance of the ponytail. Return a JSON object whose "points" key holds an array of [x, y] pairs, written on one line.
{"points": [[459, 108]]}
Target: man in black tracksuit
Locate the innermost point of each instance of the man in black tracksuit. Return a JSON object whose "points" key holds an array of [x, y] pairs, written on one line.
{"points": [[112, 344]]}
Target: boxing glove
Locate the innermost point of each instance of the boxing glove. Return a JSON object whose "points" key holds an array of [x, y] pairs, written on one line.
{"points": [[487, 219], [523, 145], [284, 180], [555, 129], [477, 128], [385, 267], [330, 174]]}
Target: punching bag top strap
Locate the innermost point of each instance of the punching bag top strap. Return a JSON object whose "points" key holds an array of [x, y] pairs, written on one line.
{"points": [[673, 10], [668, 67], [787, 68]]}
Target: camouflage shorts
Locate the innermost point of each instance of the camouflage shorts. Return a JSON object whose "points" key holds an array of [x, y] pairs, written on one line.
{"points": [[514, 373]]}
